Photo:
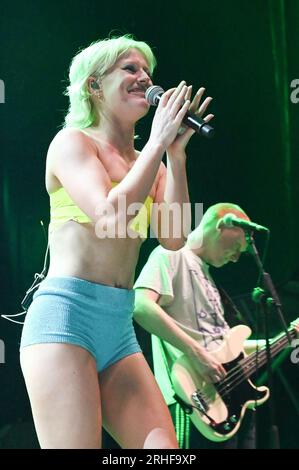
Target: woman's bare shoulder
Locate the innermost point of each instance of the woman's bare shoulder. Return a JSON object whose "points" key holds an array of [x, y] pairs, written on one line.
{"points": [[69, 134], [70, 141]]}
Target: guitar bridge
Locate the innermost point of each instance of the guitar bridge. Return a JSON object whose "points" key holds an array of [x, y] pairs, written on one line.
{"points": [[200, 401]]}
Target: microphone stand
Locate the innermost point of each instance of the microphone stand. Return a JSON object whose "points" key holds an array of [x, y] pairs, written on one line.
{"points": [[266, 297]]}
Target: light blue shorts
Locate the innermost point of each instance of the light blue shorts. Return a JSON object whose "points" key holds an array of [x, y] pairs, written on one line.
{"points": [[94, 316]]}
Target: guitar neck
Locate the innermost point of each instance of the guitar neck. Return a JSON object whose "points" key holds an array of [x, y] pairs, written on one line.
{"points": [[256, 360]]}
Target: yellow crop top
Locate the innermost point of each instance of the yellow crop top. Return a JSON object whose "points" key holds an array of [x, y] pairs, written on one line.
{"points": [[63, 208]]}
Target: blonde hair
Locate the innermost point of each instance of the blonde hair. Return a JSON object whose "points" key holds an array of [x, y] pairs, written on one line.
{"points": [[94, 61]]}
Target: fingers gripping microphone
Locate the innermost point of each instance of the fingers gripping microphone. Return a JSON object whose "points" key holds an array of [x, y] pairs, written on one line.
{"points": [[153, 95], [231, 220]]}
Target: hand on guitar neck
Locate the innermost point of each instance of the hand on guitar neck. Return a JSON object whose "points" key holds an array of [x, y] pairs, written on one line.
{"points": [[211, 369]]}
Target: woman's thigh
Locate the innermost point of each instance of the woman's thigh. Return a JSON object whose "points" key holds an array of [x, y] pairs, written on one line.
{"points": [[62, 384], [133, 408]]}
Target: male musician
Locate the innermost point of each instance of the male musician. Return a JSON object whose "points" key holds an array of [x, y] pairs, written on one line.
{"points": [[179, 304]]}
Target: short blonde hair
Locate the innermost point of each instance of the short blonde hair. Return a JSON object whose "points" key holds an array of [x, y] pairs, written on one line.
{"points": [[215, 212], [94, 61], [210, 219]]}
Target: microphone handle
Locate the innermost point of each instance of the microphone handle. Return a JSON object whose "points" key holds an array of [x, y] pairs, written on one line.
{"points": [[198, 125]]}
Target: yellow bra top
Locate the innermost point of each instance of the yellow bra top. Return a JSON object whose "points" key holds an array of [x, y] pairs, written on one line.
{"points": [[63, 208]]}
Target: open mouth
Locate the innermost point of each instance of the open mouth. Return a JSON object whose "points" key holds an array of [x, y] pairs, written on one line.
{"points": [[138, 92]]}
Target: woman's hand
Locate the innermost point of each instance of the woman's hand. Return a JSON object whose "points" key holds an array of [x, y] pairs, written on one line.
{"points": [[169, 115], [177, 147]]}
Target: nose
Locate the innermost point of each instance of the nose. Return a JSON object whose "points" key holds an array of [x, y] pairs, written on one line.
{"points": [[235, 257], [144, 77]]}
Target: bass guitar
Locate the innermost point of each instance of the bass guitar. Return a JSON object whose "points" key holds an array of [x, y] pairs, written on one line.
{"points": [[217, 409]]}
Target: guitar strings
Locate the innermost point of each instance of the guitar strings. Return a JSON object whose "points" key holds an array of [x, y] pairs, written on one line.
{"points": [[236, 375]]}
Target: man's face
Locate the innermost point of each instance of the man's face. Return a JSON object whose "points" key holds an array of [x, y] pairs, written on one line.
{"points": [[230, 243]]}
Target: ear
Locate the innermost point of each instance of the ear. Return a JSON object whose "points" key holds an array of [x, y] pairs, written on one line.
{"points": [[93, 84], [219, 224]]}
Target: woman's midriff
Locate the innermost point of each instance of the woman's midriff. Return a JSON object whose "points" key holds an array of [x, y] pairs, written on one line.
{"points": [[76, 251]]}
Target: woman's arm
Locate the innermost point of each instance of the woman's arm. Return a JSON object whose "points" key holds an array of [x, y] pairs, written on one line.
{"points": [[172, 211], [73, 160]]}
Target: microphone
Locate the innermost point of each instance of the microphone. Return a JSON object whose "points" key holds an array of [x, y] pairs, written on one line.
{"points": [[231, 220], [153, 95]]}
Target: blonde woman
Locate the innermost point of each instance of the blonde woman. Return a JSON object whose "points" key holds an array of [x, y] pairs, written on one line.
{"points": [[81, 362]]}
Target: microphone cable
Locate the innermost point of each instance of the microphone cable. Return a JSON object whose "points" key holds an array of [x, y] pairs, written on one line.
{"points": [[38, 278]]}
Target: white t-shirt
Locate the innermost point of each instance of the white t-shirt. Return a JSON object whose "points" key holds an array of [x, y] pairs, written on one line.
{"points": [[189, 295]]}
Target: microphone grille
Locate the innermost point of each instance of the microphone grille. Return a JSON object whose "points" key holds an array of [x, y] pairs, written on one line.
{"points": [[228, 219], [153, 93]]}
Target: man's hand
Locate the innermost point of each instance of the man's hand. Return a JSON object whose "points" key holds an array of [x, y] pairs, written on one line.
{"points": [[206, 365]]}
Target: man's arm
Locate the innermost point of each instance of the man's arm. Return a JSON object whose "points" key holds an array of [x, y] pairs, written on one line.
{"points": [[250, 345], [156, 321]]}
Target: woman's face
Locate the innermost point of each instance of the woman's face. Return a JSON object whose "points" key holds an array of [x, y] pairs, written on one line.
{"points": [[124, 86]]}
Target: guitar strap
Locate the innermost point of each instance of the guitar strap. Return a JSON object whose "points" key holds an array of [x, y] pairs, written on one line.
{"points": [[232, 314]]}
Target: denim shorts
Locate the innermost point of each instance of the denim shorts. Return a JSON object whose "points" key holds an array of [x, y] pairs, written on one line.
{"points": [[94, 316]]}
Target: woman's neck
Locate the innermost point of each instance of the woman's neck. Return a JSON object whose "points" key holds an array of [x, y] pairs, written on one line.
{"points": [[116, 136]]}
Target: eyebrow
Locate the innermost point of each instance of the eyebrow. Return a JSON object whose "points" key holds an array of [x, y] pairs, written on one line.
{"points": [[127, 61]]}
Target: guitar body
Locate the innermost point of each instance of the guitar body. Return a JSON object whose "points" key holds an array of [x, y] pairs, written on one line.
{"points": [[219, 407]]}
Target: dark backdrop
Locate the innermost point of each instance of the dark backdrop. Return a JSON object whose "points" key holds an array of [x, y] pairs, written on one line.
{"points": [[246, 54]]}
